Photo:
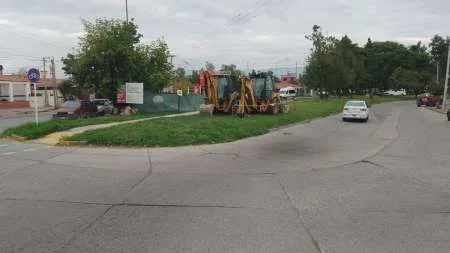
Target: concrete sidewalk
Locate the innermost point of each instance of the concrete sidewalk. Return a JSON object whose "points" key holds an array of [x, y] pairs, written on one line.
{"points": [[55, 138]]}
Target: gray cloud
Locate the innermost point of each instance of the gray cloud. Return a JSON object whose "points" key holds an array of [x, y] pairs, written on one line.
{"points": [[261, 33]]}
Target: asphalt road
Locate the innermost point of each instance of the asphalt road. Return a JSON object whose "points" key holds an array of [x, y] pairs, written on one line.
{"points": [[7, 122], [327, 186]]}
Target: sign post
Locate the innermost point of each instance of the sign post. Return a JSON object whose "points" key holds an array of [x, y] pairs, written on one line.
{"points": [[34, 75], [179, 94]]}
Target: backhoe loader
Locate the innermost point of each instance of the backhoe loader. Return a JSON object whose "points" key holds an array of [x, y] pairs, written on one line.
{"points": [[252, 94], [221, 93], [257, 94]]}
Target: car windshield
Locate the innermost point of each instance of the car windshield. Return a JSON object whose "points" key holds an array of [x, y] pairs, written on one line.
{"points": [[99, 102], [71, 104], [355, 103]]}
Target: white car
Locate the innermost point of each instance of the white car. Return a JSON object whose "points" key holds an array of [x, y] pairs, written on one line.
{"points": [[356, 109], [104, 106], [288, 93], [401, 92]]}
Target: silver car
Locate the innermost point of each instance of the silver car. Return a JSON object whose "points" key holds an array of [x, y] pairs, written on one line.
{"points": [[104, 106]]}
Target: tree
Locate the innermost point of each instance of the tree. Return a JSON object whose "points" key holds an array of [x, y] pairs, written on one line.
{"points": [[232, 71], [406, 79], [320, 71], [340, 66], [438, 52], [182, 84], [110, 54], [180, 72], [209, 66], [68, 88], [195, 77]]}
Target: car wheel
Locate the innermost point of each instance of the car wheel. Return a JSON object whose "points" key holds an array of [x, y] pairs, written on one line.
{"points": [[344, 119]]}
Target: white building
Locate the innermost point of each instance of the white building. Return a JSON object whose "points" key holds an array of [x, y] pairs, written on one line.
{"points": [[17, 92]]}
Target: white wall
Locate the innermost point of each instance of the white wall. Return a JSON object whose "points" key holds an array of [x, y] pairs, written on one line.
{"points": [[49, 101]]}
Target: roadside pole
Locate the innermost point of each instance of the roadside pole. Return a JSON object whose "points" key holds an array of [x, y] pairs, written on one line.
{"points": [[444, 101], [33, 76], [36, 109], [179, 94]]}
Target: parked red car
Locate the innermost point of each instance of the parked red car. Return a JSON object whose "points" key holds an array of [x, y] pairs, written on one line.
{"points": [[428, 100], [73, 109]]}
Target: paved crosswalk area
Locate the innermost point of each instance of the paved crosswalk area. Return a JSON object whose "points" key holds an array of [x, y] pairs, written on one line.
{"points": [[29, 151], [15, 148]]}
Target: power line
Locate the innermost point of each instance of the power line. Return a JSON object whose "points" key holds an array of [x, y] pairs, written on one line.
{"points": [[33, 37], [237, 18], [16, 55]]}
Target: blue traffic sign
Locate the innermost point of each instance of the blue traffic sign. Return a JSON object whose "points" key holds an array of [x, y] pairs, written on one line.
{"points": [[33, 75]]}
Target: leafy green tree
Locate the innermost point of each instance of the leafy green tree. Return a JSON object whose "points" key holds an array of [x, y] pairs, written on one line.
{"points": [[232, 71], [382, 59], [320, 71], [340, 66], [180, 72], [194, 77], [209, 66], [110, 54], [438, 52], [407, 79]]}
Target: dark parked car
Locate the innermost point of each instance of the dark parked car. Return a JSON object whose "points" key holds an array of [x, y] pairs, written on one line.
{"points": [[73, 109]]}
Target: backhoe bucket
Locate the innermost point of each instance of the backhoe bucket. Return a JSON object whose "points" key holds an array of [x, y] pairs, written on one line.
{"points": [[206, 110]]}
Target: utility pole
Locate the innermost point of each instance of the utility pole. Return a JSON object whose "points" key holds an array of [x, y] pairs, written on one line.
{"points": [[444, 101], [437, 73], [126, 9], [296, 69], [44, 60], [55, 90]]}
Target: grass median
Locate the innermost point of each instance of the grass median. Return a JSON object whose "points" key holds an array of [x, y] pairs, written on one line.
{"points": [[195, 130], [31, 131]]}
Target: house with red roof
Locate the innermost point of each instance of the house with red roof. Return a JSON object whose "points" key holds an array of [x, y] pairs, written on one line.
{"points": [[16, 91]]}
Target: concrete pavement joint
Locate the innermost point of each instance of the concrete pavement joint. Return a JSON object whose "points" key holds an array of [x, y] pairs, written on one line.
{"points": [[127, 204], [59, 201], [409, 178]]}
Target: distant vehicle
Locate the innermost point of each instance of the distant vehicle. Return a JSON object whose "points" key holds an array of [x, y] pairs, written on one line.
{"points": [[401, 92], [288, 92], [428, 99], [74, 109], [104, 106], [356, 109]]}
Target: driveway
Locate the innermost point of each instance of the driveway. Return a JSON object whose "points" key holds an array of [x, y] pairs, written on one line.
{"points": [[327, 186]]}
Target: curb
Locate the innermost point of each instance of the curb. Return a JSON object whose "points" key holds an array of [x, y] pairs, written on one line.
{"points": [[19, 138], [71, 143], [435, 110]]}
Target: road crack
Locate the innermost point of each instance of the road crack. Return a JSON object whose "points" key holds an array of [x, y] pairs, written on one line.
{"points": [[314, 241]]}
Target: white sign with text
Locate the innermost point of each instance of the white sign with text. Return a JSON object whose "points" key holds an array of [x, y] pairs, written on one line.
{"points": [[134, 93]]}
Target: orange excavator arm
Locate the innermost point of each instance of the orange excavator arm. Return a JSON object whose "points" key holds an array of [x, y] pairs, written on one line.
{"points": [[211, 89]]}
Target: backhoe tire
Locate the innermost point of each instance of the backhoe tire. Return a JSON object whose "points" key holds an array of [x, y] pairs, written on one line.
{"points": [[275, 109]]}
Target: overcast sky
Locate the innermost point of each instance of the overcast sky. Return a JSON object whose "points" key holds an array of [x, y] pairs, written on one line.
{"points": [[260, 33]]}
